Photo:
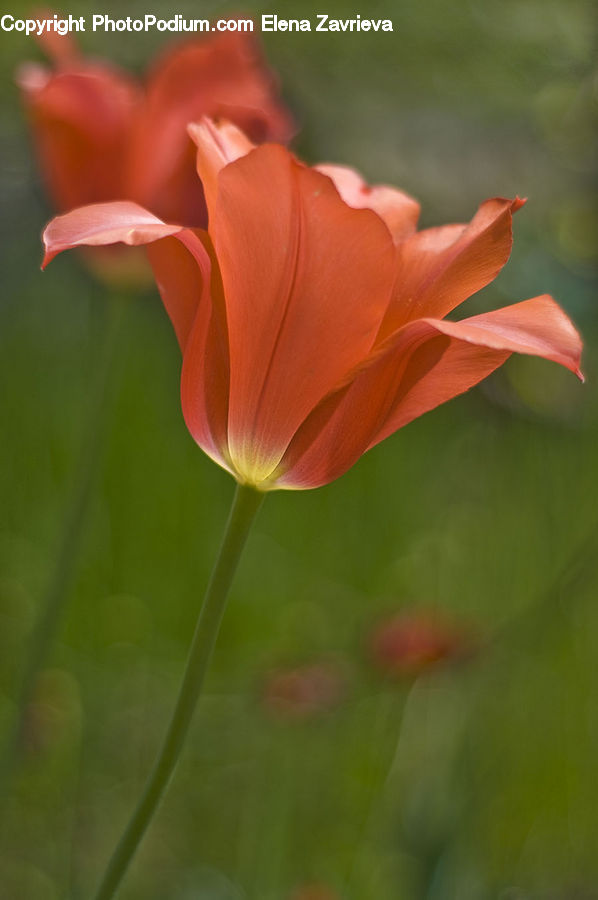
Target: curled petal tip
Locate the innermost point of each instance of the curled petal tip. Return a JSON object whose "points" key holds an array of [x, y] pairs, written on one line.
{"points": [[204, 128], [48, 254], [223, 136], [31, 77], [195, 129], [218, 144], [518, 202]]}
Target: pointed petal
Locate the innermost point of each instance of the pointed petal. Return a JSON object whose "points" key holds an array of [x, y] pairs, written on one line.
{"points": [[218, 144], [99, 224], [182, 271], [81, 120], [439, 268], [306, 281], [425, 364], [397, 209], [536, 327], [62, 49], [221, 76]]}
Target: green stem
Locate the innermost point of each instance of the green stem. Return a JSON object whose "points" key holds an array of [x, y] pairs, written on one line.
{"points": [[245, 506], [54, 599]]}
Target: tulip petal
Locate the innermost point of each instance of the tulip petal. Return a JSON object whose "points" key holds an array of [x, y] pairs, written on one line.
{"points": [[536, 327], [62, 49], [192, 295], [205, 377], [226, 71], [99, 224], [426, 363], [397, 209], [81, 120], [183, 275], [222, 76], [306, 280], [218, 144], [439, 268]]}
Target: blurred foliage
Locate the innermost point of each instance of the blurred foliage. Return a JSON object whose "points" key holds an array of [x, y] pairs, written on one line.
{"points": [[473, 782]]}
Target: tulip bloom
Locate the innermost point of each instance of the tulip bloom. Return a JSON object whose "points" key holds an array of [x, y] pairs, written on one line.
{"points": [[311, 315], [102, 136]]}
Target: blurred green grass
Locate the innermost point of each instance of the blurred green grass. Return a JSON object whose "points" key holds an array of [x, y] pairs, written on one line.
{"points": [[485, 509]]}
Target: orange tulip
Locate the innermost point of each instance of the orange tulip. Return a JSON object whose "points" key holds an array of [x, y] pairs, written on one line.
{"points": [[102, 136], [311, 316]]}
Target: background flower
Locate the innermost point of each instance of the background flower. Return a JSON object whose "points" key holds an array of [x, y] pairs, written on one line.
{"points": [[413, 642], [102, 135]]}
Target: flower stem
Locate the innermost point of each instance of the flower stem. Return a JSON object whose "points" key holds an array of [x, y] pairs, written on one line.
{"points": [[57, 589], [246, 504]]}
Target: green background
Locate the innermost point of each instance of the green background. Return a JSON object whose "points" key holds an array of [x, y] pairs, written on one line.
{"points": [[476, 781]]}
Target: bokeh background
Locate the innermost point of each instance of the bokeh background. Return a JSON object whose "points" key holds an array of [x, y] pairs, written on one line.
{"points": [[471, 779]]}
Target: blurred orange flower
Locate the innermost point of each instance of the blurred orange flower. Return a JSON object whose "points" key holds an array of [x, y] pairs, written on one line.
{"points": [[312, 315], [101, 135], [411, 643]]}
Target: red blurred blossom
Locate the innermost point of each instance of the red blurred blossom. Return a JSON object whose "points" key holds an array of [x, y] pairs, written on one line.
{"points": [[102, 136], [311, 316], [314, 892], [304, 691], [411, 643]]}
